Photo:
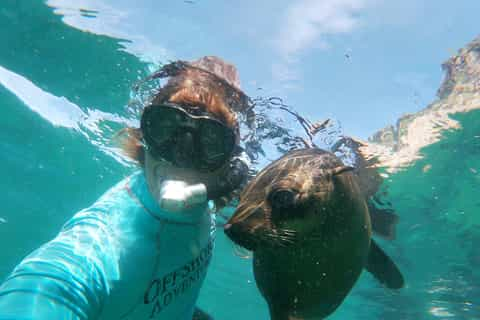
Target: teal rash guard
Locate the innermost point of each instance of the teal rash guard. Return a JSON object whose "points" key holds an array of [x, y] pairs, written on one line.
{"points": [[121, 258]]}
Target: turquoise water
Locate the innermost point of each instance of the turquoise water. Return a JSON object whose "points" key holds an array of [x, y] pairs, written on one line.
{"points": [[64, 93]]}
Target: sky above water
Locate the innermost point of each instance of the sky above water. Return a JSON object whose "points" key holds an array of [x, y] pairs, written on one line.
{"points": [[362, 62]]}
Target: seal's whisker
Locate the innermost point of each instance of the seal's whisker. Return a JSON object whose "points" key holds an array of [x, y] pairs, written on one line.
{"points": [[291, 236], [280, 238], [283, 241], [287, 232], [280, 234]]}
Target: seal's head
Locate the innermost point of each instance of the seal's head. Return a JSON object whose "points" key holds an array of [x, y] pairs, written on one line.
{"points": [[291, 198], [308, 225]]}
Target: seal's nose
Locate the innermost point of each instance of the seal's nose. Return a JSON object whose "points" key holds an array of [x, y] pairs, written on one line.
{"points": [[239, 235], [231, 230]]}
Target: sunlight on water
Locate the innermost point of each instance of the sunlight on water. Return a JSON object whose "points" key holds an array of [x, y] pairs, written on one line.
{"points": [[441, 312], [57, 110], [104, 19]]}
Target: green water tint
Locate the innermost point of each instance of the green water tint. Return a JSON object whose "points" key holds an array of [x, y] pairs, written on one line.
{"points": [[437, 242], [49, 173], [447, 180], [89, 70]]}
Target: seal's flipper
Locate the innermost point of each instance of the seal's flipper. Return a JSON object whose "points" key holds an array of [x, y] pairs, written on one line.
{"points": [[383, 268], [383, 221]]}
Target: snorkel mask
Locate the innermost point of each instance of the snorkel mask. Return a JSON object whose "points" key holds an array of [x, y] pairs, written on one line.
{"points": [[193, 140], [185, 135]]}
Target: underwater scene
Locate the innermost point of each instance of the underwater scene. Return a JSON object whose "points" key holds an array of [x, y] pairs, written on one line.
{"points": [[372, 107]]}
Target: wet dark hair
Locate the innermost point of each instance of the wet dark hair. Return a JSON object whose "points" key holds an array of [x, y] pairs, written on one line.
{"points": [[130, 141], [192, 86]]}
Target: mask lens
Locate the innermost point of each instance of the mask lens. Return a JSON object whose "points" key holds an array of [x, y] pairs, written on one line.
{"points": [[216, 142], [211, 141], [161, 125]]}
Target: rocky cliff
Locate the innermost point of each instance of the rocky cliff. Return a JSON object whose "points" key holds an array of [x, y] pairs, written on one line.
{"points": [[399, 145]]}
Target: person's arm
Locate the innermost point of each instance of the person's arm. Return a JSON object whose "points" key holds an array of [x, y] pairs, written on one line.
{"points": [[63, 279], [71, 277], [20, 306]]}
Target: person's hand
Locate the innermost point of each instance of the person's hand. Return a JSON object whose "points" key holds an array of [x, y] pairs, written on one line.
{"points": [[176, 196]]}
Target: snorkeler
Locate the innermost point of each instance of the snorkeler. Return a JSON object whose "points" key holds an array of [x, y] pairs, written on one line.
{"points": [[142, 250]]}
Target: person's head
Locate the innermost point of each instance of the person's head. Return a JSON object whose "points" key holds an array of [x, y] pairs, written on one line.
{"points": [[189, 131]]}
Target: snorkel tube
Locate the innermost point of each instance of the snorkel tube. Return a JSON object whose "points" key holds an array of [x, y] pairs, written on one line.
{"points": [[176, 196]]}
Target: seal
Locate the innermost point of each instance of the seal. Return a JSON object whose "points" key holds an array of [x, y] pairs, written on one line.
{"points": [[307, 223]]}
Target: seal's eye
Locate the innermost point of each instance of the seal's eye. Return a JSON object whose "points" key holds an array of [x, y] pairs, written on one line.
{"points": [[282, 198]]}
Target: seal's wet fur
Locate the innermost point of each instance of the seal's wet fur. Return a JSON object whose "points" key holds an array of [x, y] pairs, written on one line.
{"points": [[307, 223]]}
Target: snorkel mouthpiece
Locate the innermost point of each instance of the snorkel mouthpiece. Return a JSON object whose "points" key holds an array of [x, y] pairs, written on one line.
{"points": [[176, 196]]}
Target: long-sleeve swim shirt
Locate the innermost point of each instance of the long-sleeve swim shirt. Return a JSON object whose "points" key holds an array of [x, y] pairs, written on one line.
{"points": [[121, 258]]}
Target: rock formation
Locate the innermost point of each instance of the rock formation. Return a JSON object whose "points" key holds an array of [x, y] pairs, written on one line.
{"points": [[398, 146]]}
